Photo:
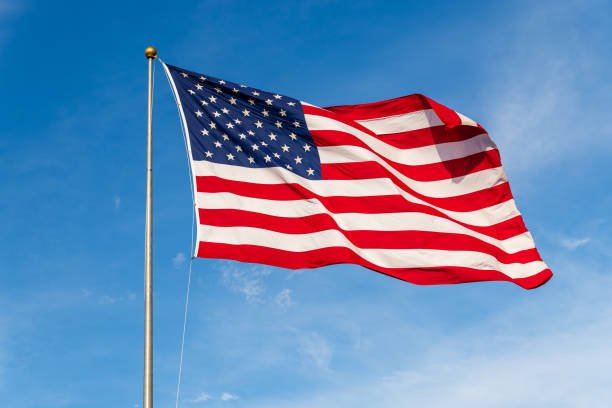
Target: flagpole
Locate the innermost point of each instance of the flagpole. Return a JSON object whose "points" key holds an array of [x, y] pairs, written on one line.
{"points": [[147, 401]]}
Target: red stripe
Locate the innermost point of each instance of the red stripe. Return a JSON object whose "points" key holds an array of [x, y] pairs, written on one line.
{"points": [[430, 136], [374, 110], [336, 255], [426, 172], [465, 202], [363, 238], [367, 204]]}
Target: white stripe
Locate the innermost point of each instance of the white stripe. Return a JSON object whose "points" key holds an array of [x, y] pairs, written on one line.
{"points": [[404, 122], [404, 221], [413, 156], [386, 258], [466, 121], [350, 188], [450, 187]]}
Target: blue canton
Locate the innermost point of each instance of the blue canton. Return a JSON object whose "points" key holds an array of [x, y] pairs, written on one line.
{"points": [[239, 125]]}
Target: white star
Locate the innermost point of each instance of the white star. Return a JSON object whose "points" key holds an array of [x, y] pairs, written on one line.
{"points": [[235, 90], [217, 114], [212, 99], [230, 156], [296, 124], [258, 124], [199, 87], [232, 100], [283, 113], [288, 167], [278, 124], [237, 121], [285, 148], [277, 96], [307, 147], [252, 102], [238, 148], [184, 75], [204, 132], [293, 136], [242, 136], [225, 136], [276, 155], [225, 110], [250, 132], [202, 78], [217, 144], [222, 82], [191, 91], [203, 102], [254, 147], [267, 158], [255, 93], [246, 112], [229, 125], [199, 113], [264, 144], [218, 90], [310, 172], [212, 125], [272, 136], [265, 113], [251, 160], [208, 153], [269, 101], [298, 160], [243, 86], [291, 103]]}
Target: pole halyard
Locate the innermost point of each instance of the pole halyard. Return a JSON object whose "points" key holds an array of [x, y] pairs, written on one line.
{"points": [[151, 54]]}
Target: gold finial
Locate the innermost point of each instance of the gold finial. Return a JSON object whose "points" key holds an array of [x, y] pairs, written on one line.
{"points": [[151, 52]]}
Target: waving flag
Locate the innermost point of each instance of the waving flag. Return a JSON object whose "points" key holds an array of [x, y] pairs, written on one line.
{"points": [[406, 187]]}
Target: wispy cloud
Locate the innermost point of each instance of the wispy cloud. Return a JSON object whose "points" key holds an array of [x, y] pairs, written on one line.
{"points": [[314, 349], [227, 396], [246, 280], [559, 357], [573, 243], [202, 397], [541, 105], [284, 298], [117, 202], [178, 260]]}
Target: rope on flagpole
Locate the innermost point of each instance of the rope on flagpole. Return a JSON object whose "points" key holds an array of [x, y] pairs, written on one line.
{"points": [[180, 373], [189, 273]]}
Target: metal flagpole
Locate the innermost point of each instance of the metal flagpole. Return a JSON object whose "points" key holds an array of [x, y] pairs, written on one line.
{"points": [[147, 401]]}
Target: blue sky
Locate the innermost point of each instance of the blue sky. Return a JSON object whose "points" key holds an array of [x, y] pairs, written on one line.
{"points": [[72, 161]]}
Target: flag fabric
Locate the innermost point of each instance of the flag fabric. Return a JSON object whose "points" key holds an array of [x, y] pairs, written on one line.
{"points": [[406, 187]]}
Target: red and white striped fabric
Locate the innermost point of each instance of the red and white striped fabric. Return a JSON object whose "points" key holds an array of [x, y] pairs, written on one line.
{"points": [[409, 188]]}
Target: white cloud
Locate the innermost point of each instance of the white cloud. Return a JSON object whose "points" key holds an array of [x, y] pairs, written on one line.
{"points": [[8, 10], [203, 397], [314, 349], [542, 103], [571, 243], [551, 350], [284, 298], [117, 201], [107, 300], [246, 280], [178, 260], [226, 396]]}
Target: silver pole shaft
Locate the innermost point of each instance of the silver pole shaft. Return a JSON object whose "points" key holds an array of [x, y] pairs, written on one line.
{"points": [[148, 267]]}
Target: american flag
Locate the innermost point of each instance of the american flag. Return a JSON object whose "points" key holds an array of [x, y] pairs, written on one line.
{"points": [[406, 186]]}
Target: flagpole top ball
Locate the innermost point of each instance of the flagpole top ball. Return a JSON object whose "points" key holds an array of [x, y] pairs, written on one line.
{"points": [[151, 52]]}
